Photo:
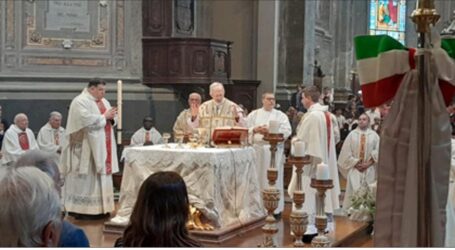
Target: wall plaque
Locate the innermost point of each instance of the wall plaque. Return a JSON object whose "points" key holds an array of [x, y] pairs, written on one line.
{"points": [[68, 14]]}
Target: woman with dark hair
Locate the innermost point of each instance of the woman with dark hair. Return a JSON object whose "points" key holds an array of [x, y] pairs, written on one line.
{"points": [[160, 214]]}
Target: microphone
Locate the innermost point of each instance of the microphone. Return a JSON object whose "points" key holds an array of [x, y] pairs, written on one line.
{"points": [[210, 127]]}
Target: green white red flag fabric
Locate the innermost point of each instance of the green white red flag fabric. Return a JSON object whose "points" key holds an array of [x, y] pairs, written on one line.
{"points": [[382, 62]]}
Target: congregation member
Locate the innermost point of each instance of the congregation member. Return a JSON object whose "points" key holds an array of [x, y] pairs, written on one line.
{"points": [[51, 134], [319, 132], [358, 158], [258, 125], [30, 210], [218, 112], [17, 140], [183, 124], [373, 114], [341, 120], [147, 135], [89, 154], [296, 99], [160, 214], [71, 235]]}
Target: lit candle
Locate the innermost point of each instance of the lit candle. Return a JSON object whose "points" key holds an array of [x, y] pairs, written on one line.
{"points": [[299, 149], [274, 127], [119, 111], [322, 172]]}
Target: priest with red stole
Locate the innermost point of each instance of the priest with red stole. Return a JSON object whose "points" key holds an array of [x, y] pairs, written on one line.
{"points": [[17, 139], [89, 154]]}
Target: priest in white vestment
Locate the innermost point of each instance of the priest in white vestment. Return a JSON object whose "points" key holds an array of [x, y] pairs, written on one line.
{"points": [[17, 140], [89, 153], [147, 135], [51, 134], [218, 112], [319, 131], [183, 124], [358, 158], [258, 125]]}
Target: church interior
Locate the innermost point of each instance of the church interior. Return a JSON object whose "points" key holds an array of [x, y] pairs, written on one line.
{"points": [[152, 55]]}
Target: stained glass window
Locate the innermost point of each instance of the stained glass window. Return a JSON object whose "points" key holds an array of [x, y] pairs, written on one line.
{"points": [[388, 17]]}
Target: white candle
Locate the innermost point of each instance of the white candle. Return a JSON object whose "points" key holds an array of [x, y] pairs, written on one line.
{"points": [[322, 172], [274, 127], [119, 111], [299, 149]]}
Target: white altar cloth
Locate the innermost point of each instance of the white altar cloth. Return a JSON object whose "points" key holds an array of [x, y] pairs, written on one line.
{"points": [[222, 183]]}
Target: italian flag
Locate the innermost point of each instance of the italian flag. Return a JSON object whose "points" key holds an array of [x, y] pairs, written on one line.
{"points": [[382, 62]]}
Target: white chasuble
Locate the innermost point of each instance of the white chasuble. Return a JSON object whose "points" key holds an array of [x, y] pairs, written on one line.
{"points": [[359, 146], [15, 143], [86, 163], [262, 148], [320, 146]]}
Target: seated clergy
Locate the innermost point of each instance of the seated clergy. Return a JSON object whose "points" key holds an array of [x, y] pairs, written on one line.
{"points": [[17, 139], [358, 158], [183, 123], [147, 135], [51, 134], [258, 125]]}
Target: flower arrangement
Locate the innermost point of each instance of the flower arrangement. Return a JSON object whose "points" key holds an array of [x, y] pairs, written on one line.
{"points": [[363, 205]]}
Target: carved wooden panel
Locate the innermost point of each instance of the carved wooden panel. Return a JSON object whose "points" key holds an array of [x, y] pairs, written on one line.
{"points": [[185, 60], [184, 17], [243, 92], [157, 17]]}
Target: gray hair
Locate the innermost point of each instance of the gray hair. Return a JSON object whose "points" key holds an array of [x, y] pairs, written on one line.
{"points": [[40, 159], [29, 203], [214, 85], [54, 113], [18, 116]]}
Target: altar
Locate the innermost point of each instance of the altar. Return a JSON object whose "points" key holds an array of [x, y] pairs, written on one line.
{"points": [[221, 183]]}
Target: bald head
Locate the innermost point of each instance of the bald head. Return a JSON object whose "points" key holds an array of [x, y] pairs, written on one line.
{"points": [[21, 121]]}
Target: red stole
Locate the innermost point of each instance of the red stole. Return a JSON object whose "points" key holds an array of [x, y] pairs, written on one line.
{"points": [[328, 124], [147, 136], [23, 141], [107, 132]]}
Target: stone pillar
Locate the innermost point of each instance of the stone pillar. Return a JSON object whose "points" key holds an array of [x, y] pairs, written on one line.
{"points": [[290, 49], [309, 41], [267, 46]]}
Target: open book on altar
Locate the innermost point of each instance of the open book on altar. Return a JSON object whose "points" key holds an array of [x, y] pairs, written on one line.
{"points": [[224, 136]]}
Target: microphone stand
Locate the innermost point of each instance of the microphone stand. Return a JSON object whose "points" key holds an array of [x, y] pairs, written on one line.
{"points": [[210, 128]]}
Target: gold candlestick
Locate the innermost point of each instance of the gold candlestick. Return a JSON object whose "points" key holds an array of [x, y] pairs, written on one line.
{"points": [[298, 218], [271, 195], [321, 240]]}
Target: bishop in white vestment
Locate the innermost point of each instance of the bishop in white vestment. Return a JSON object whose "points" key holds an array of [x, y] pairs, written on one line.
{"points": [[51, 134], [358, 158], [258, 125], [319, 131], [89, 154], [218, 112], [17, 140], [147, 135]]}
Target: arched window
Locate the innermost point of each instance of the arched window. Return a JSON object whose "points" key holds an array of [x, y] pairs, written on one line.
{"points": [[388, 17]]}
